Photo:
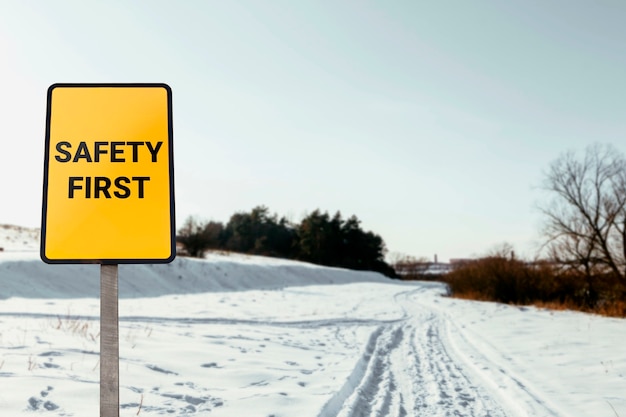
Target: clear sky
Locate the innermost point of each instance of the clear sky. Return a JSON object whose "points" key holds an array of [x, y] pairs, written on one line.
{"points": [[432, 121]]}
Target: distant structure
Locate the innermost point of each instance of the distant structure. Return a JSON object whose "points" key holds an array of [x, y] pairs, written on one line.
{"points": [[417, 269], [455, 262]]}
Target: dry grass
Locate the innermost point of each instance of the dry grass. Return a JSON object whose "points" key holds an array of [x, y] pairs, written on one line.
{"points": [[76, 326], [556, 305], [613, 309], [511, 281]]}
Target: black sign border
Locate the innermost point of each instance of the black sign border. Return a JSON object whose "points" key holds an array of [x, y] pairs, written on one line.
{"points": [[170, 134]]}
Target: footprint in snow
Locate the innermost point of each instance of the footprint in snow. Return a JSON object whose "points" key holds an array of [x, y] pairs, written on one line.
{"points": [[158, 369], [210, 365], [39, 403], [51, 353]]}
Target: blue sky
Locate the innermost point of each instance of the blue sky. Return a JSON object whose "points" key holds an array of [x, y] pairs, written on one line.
{"points": [[431, 121]]}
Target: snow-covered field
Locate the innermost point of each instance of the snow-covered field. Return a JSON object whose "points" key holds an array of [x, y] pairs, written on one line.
{"points": [[235, 335]]}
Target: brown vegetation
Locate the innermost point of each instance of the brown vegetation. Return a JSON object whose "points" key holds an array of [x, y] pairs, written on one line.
{"points": [[544, 284]]}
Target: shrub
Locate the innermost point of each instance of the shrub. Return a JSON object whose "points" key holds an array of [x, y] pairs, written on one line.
{"points": [[513, 281]]}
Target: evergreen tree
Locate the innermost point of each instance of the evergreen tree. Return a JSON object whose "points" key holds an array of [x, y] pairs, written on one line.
{"points": [[318, 239]]}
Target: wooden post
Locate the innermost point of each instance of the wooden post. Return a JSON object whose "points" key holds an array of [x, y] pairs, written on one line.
{"points": [[109, 342]]}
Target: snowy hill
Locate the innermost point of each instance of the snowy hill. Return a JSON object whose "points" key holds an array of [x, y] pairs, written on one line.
{"points": [[17, 238], [235, 335], [23, 274], [27, 276]]}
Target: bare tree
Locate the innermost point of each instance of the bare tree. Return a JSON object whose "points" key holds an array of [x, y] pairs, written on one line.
{"points": [[408, 265], [198, 235], [504, 250], [585, 222]]}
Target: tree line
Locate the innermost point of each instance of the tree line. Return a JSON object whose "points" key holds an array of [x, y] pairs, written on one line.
{"points": [[318, 238]]}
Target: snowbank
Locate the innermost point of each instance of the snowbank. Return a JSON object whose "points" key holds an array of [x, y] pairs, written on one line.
{"points": [[23, 274]]}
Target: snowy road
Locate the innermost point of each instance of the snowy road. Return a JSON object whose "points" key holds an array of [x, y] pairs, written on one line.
{"points": [[356, 349], [422, 366], [405, 370]]}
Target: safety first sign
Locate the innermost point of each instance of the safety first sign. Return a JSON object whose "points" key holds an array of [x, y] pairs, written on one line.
{"points": [[108, 174]]}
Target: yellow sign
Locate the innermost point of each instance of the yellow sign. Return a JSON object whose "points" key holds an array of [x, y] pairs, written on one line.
{"points": [[108, 174]]}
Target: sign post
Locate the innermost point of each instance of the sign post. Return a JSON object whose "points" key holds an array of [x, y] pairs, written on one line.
{"points": [[108, 195], [109, 342]]}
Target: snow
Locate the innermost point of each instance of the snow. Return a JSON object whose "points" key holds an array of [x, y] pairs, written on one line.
{"points": [[16, 238], [235, 335]]}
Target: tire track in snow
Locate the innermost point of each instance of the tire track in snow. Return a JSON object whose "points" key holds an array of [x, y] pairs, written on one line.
{"points": [[372, 388], [313, 324], [519, 396], [445, 389], [405, 370]]}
